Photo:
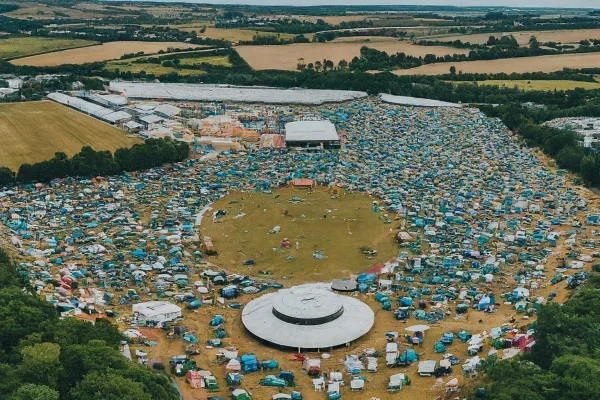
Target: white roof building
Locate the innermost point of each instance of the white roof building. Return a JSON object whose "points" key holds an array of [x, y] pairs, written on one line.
{"points": [[117, 117], [159, 311], [132, 125], [112, 100], [14, 83], [416, 101], [249, 94], [310, 131], [167, 110], [309, 316]]}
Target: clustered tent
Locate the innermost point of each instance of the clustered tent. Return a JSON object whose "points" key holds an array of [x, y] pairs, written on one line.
{"points": [[307, 317]]}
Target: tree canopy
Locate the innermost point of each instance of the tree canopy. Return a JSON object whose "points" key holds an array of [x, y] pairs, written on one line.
{"points": [[45, 358]]}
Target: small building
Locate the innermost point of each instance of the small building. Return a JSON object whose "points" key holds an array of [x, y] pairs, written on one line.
{"points": [[132, 126], [15, 83], [311, 134], [109, 100], [150, 121], [6, 92], [117, 117], [304, 183], [157, 311], [167, 110]]}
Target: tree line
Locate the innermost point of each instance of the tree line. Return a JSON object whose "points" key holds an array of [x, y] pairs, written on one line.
{"points": [[565, 361], [43, 357], [373, 59], [291, 25], [328, 36], [271, 39], [89, 162]]}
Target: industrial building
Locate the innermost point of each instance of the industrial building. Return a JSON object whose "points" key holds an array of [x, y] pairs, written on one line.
{"points": [[307, 317], [311, 134]]}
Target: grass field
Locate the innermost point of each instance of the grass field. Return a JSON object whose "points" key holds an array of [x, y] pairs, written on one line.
{"points": [[542, 85], [286, 57], [519, 65], [566, 36], [350, 225], [157, 69], [105, 51], [33, 132], [22, 46]]}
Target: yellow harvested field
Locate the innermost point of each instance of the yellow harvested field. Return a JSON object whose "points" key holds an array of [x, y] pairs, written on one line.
{"points": [[542, 85], [571, 36], [510, 65], [22, 46], [33, 132], [232, 35], [105, 51], [286, 57], [43, 11]]}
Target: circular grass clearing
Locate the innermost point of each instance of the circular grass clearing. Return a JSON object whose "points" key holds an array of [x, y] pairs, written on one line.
{"points": [[336, 228]]}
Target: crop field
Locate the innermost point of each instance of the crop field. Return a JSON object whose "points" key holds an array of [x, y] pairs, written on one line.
{"points": [[563, 36], [519, 65], [33, 132], [105, 51], [542, 84], [22, 46], [40, 11], [232, 35], [337, 227], [286, 57], [157, 69]]}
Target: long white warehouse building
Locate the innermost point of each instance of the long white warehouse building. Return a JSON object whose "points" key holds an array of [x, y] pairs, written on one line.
{"points": [[244, 94]]}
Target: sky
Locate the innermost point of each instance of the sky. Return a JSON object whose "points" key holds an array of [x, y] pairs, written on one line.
{"points": [[509, 3]]}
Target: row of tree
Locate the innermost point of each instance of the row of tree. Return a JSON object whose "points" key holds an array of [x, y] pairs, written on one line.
{"points": [[89, 162], [43, 357], [565, 362], [372, 59], [266, 39]]}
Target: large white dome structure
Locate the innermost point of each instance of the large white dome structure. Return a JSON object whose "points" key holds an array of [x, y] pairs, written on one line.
{"points": [[306, 317]]}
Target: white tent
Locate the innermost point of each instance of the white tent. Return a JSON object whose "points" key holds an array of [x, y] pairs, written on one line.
{"points": [[159, 311], [418, 328]]}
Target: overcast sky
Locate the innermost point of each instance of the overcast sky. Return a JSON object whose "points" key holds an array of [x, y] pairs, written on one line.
{"points": [[510, 3]]}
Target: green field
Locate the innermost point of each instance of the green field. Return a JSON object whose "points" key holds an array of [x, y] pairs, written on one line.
{"points": [[14, 47], [158, 69], [350, 224], [33, 132], [542, 84]]}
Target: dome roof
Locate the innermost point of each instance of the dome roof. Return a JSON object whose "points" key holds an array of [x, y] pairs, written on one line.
{"points": [[309, 316]]}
